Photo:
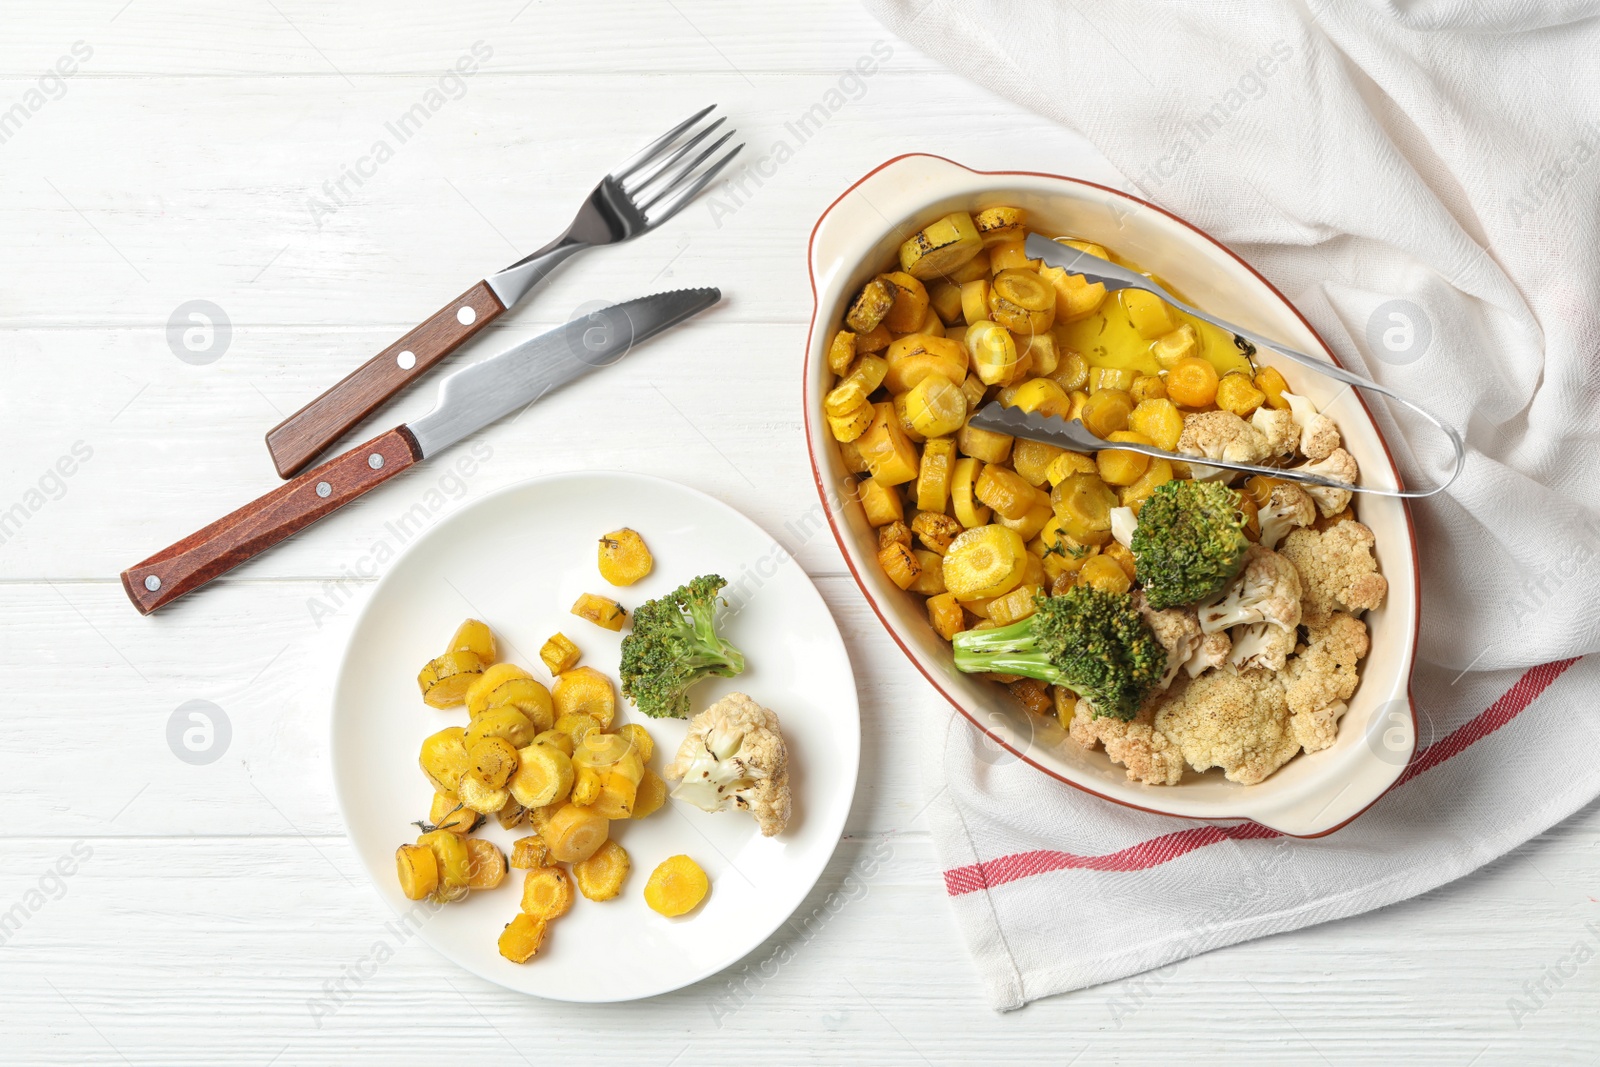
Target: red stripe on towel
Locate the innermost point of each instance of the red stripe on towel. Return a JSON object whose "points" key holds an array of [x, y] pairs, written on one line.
{"points": [[1508, 707], [1168, 847]]}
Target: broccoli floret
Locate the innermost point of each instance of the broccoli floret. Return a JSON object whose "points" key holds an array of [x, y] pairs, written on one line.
{"points": [[1189, 543], [1092, 642], [673, 645]]}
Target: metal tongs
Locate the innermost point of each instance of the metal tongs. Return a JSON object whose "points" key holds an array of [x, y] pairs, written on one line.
{"points": [[1074, 436]]}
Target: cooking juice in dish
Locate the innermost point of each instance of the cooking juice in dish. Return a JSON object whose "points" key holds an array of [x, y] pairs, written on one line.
{"points": [[1109, 337]]}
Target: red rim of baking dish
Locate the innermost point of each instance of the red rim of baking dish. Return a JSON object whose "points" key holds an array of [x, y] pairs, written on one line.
{"points": [[838, 534]]}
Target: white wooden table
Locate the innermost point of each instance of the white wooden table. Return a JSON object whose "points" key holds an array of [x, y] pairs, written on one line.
{"points": [[214, 913]]}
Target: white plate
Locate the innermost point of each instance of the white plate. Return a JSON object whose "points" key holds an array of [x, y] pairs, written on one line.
{"points": [[518, 559]]}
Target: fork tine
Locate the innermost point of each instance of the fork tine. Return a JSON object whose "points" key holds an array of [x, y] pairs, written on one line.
{"points": [[679, 200], [655, 170], [654, 148], [684, 173]]}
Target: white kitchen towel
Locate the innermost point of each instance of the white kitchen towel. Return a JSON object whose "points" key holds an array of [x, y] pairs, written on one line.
{"points": [[1423, 181]]}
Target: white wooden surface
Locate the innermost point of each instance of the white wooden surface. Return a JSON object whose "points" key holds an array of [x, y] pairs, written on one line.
{"points": [[215, 913]]}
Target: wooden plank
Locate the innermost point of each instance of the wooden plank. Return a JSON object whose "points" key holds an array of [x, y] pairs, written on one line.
{"points": [[220, 950], [171, 447], [149, 193], [307, 39]]}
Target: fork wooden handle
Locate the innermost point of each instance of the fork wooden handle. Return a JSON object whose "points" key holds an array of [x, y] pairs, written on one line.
{"points": [[306, 434], [213, 551]]}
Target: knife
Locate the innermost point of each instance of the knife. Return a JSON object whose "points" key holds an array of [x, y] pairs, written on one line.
{"points": [[469, 400]]}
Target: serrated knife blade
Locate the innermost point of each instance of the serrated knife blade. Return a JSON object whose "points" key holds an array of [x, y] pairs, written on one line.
{"points": [[484, 392], [470, 399]]}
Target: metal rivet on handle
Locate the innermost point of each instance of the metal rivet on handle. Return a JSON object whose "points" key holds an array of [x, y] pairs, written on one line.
{"points": [[323, 488], [406, 360], [151, 582], [375, 461], [466, 316]]}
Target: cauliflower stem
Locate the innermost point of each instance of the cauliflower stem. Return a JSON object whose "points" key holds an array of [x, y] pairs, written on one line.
{"points": [[735, 755]]}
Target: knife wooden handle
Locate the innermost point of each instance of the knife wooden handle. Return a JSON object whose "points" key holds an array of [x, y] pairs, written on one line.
{"points": [[262, 523], [303, 436]]}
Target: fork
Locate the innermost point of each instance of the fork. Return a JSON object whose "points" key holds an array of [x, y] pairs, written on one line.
{"points": [[649, 188]]}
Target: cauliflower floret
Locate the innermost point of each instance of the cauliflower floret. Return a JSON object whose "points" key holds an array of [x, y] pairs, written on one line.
{"points": [[1178, 631], [1318, 435], [1213, 652], [1338, 465], [1322, 676], [1318, 729], [1262, 644], [733, 753], [1279, 428], [1149, 756], [1221, 435], [1267, 589], [1288, 507], [1337, 570], [1236, 720], [1188, 648]]}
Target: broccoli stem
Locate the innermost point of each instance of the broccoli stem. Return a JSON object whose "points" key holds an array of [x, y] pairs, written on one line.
{"points": [[723, 660], [1006, 650], [714, 653]]}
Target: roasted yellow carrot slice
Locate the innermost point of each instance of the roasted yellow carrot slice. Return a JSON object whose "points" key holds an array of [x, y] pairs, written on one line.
{"points": [[910, 305], [650, 796], [543, 776], [494, 759], [486, 864], [492, 678], [559, 654], [418, 869], [507, 722], [522, 938], [624, 557], [600, 877], [445, 680], [600, 610], [968, 511], [573, 834], [941, 247], [453, 860], [444, 758], [870, 306], [475, 637], [585, 691], [546, 893], [985, 562], [842, 351], [448, 813], [1022, 301], [676, 886]]}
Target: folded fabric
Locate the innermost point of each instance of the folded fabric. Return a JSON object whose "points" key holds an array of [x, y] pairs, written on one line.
{"points": [[1421, 181]]}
